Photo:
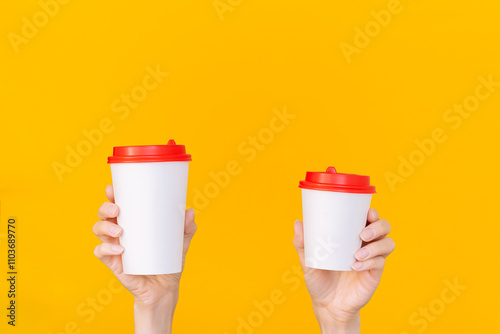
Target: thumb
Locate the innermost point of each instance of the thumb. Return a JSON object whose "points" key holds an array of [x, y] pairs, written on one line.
{"points": [[298, 241], [189, 230]]}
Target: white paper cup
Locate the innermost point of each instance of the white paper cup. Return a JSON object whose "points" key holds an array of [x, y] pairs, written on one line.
{"points": [[335, 208], [150, 185]]}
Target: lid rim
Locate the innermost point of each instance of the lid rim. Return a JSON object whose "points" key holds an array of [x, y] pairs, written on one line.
{"points": [[337, 182], [351, 190], [149, 153], [139, 159]]}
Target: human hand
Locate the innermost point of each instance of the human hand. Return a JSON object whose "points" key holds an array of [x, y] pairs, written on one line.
{"points": [[338, 296], [155, 296]]}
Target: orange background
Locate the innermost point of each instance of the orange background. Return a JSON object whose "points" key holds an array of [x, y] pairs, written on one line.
{"points": [[225, 79]]}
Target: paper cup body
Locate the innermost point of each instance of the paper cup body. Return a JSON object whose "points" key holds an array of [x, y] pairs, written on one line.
{"points": [[332, 224], [335, 209], [152, 201], [151, 196]]}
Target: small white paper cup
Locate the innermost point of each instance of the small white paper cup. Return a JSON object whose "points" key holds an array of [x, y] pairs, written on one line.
{"points": [[333, 218], [151, 196]]}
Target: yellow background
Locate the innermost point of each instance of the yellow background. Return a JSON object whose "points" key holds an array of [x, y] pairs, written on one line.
{"points": [[226, 77]]}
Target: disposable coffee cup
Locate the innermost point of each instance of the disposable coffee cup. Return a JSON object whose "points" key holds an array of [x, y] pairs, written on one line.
{"points": [[150, 186], [335, 209]]}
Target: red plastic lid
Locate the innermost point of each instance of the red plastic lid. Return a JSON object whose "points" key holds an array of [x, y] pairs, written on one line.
{"points": [[338, 182], [149, 153]]}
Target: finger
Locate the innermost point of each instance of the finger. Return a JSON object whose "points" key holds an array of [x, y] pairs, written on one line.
{"points": [[108, 211], [110, 193], [106, 251], [375, 230], [376, 264], [190, 228], [382, 247], [298, 241], [109, 254], [107, 231], [372, 215]]}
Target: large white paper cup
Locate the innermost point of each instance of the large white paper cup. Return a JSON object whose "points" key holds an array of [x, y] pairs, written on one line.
{"points": [[335, 208], [151, 195]]}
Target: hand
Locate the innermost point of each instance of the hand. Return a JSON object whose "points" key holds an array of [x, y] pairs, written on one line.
{"points": [[337, 296], [155, 296]]}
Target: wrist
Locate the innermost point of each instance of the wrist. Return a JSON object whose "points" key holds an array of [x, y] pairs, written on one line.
{"points": [[345, 324], [154, 318]]}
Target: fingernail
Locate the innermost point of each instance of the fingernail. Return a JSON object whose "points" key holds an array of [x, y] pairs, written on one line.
{"points": [[362, 253], [367, 234], [357, 265], [114, 229], [112, 209], [117, 248]]}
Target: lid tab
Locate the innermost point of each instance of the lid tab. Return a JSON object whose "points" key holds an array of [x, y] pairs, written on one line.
{"points": [[331, 170]]}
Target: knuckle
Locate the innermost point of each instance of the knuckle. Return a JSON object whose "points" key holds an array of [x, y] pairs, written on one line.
{"points": [[97, 228], [383, 226], [297, 244], [376, 225], [97, 251], [392, 243], [377, 262], [100, 212], [376, 250], [384, 246], [94, 228], [388, 226]]}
